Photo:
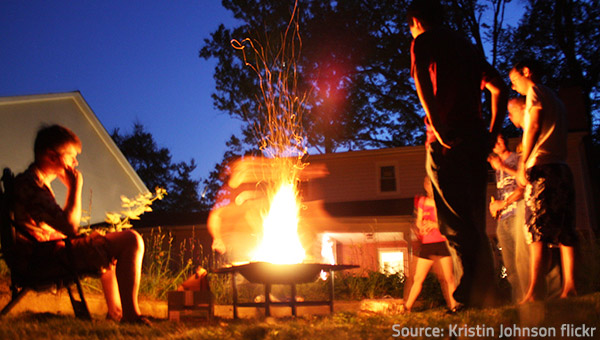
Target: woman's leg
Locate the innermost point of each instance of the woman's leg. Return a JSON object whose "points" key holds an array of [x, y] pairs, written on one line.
{"points": [[446, 277], [421, 269]]}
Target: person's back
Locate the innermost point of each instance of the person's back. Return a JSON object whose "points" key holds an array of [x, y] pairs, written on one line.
{"points": [[449, 77], [456, 70]]}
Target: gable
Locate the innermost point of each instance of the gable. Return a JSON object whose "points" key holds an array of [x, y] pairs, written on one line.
{"points": [[107, 173]]}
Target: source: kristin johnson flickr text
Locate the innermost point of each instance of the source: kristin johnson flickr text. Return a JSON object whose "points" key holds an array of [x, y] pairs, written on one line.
{"points": [[504, 331]]}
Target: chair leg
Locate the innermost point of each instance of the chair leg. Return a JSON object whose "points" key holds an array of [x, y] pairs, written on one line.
{"points": [[16, 297], [80, 307]]}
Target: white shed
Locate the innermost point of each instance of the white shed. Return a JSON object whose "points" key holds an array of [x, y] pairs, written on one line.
{"points": [[107, 173]]}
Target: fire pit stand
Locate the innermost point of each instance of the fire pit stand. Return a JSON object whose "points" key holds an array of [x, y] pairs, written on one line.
{"points": [[269, 274]]}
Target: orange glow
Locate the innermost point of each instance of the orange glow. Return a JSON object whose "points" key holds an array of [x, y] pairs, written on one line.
{"points": [[326, 253], [280, 242]]}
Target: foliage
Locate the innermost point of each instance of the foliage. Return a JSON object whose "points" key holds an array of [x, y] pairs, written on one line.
{"points": [[355, 64], [163, 270], [347, 286], [369, 286], [165, 266], [133, 210], [563, 36], [349, 64], [156, 169]]}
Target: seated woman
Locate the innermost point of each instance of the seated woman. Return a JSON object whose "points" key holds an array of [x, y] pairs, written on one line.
{"points": [[117, 256], [434, 251]]}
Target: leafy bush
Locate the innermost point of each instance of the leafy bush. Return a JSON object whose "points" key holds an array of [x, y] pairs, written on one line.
{"points": [[370, 286]]}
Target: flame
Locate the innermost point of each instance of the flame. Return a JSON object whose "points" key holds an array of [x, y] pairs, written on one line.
{"points": [[280, 243], [327, 253], [327, 249]]}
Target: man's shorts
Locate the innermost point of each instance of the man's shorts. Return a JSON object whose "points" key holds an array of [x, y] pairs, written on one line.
{"points": [[550, 201], [428, 250], [90, 256]]}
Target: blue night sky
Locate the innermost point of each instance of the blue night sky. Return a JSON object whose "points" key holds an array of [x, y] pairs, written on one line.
{"points": [[131, 61]]}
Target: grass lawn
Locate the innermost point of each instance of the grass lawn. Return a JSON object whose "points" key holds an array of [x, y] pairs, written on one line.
{"points": [[558, 316]]}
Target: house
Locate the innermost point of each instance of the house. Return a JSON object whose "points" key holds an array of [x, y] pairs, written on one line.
{"points": [[364, 206], [107, 174], [369, 195]]}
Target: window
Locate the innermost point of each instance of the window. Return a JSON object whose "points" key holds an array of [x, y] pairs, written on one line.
{"points": [[387, 179], [391, 261]]}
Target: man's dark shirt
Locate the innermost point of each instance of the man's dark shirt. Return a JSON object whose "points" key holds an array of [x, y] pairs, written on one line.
{"points": [[458, 74]]}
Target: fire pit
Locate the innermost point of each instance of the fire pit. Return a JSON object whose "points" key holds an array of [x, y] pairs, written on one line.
{"points": [[283, 274]]}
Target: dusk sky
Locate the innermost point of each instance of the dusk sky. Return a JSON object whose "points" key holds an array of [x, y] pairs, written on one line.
{"points": [[133, 61]]}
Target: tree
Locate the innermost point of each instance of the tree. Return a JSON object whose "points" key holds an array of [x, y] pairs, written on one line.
{"points": [[351, 64], [354, 65], [155, 167], [564, 36]]}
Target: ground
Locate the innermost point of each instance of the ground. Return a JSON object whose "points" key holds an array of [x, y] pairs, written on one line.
{"points": [[50, 317]]}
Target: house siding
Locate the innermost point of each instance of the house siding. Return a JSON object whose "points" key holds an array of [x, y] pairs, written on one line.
{"points": [[354, 176]]}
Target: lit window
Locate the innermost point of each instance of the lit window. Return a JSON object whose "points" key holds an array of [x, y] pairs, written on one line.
{"points": [[391, 261]]}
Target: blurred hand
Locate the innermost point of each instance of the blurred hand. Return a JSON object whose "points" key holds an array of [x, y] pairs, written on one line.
{"points": [[71, 178], [521, 176], [495, 161], [496, 207]]}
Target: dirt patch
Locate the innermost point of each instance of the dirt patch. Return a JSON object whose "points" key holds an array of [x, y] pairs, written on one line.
{"points": [[58, 302]]}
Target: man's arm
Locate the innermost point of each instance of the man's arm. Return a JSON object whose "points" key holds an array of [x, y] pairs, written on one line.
{"points": [[497, 164], [73, 180], [531, 130], [496, 206], [214, 228], [425, 91], [499, 100]]}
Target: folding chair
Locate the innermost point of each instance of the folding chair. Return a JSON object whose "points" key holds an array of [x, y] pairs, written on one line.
{"points": [[23, 280]]}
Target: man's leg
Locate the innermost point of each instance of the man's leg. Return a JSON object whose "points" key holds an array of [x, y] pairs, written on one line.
{"points": [[507, 240], [459, 177], [568, 262], [538, 251], [128, 248], [111, 293], [522, 260]]}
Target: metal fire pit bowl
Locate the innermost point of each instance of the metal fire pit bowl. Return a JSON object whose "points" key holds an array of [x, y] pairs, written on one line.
{"points": [[269, 273]]}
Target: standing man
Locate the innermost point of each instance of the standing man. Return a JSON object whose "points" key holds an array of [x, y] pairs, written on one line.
{"points": [[549, 192], [508, 208], [449, 75]]}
